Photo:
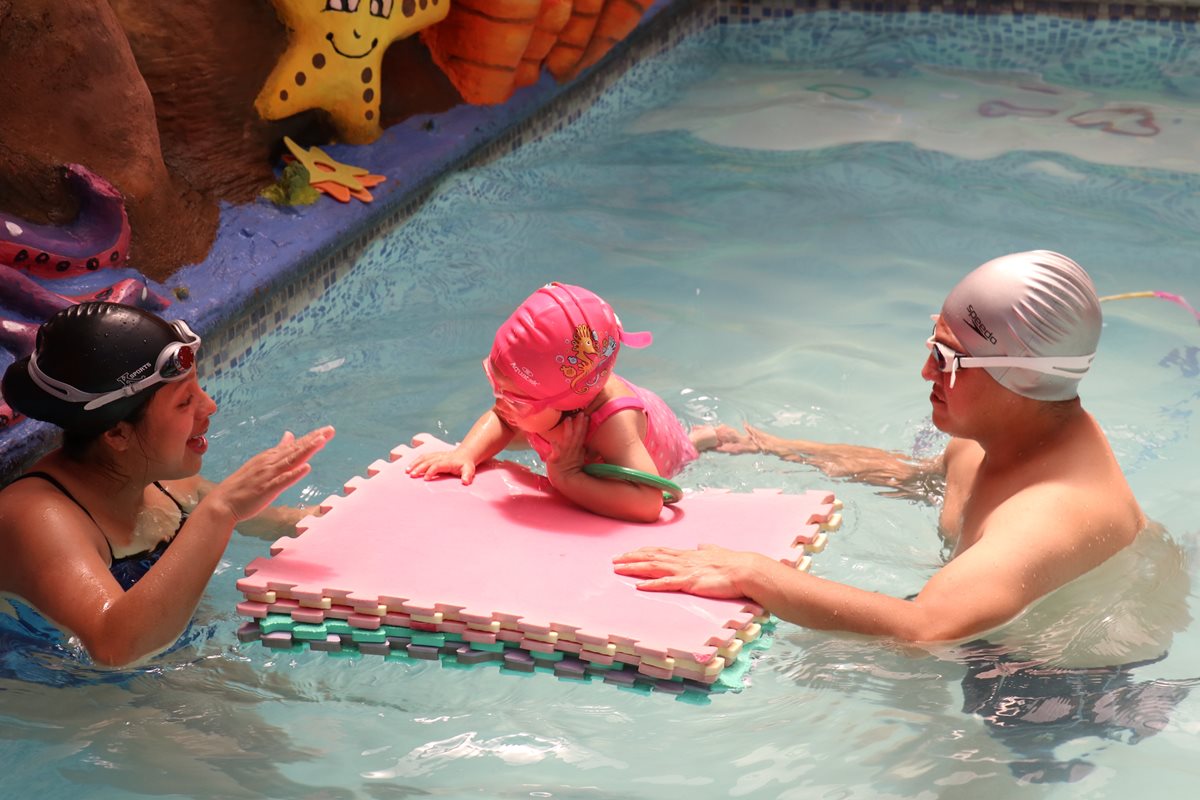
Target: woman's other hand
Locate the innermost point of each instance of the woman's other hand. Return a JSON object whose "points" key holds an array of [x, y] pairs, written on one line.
{"points": [[257, 483]]}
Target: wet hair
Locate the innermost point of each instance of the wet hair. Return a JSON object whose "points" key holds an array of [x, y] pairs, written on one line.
{"points": [[94, 347], [77, 444]]}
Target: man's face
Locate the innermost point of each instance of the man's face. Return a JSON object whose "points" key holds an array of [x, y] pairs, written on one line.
{"points": [[957, 410]]}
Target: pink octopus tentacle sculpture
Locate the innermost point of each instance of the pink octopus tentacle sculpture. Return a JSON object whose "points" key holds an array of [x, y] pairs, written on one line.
{"points": [[97, 239]]}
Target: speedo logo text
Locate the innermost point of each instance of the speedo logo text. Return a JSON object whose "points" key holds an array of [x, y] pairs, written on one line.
{"points": [[978, 325]]}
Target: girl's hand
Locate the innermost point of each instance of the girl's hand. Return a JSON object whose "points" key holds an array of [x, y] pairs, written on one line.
{"points": [[567, 449], [453, 462], [257, 483]]}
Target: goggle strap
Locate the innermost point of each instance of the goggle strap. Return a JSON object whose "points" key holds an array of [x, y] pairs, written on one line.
{"points": [[1063, 366], [54, 386], [116, 394]]}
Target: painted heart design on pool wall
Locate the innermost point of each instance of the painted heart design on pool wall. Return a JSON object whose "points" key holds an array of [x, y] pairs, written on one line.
{"points": [[1123, 120]]}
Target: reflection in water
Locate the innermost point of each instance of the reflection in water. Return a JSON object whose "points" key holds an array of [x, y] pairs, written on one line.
{"points": [[185, 725], [1034, 708], [1061, 677], [1066, 668]]}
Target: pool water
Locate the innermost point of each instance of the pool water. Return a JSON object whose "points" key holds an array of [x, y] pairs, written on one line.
{"points": [[782, 205]]}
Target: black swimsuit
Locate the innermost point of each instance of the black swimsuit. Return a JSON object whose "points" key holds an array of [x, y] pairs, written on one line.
{"points": [[128, 570]]}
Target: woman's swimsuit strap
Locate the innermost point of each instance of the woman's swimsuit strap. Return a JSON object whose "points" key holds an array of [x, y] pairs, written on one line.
{"points": [[183, 512], [57, 484], [127, 570]]}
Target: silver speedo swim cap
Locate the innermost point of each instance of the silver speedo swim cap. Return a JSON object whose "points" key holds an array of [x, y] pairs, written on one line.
{"points": [[1037, 303]]}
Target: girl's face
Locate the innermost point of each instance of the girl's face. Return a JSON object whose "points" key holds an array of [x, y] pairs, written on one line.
{"points": [[527, 421], [518, 412], [173, 430]]}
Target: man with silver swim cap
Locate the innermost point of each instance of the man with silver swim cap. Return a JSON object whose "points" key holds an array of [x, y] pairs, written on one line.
{"points": [[1033, 496], [1032, 320], [1057, 586]]}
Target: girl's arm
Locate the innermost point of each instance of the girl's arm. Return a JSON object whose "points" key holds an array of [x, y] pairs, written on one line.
{"points": [[617, 441]]}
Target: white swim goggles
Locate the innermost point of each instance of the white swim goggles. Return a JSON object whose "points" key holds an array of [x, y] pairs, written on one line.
{"points": [[950, 360], [175, 362]]}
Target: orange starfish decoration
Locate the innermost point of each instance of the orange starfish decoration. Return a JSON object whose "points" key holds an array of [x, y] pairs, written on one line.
{"points": [[332, 177]]}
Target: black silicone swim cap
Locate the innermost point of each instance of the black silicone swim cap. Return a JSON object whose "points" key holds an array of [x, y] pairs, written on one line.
{"points": [[94, 347]]}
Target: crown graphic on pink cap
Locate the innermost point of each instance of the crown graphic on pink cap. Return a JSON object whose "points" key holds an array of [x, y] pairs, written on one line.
{"points": [[561, 344]]}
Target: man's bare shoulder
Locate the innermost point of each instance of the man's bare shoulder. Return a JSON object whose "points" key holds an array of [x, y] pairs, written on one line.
{"points": [[1081, 487], [1081, 520]]}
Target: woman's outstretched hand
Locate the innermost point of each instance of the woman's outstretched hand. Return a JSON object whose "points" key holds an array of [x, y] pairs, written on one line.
{"points": [[257, 483]]}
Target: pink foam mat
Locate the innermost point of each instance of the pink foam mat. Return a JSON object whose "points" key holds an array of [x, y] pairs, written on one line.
{"points": [[509, 556]]}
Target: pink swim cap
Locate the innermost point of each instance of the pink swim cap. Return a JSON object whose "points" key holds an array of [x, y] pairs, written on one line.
{"points": [[560, 345]]}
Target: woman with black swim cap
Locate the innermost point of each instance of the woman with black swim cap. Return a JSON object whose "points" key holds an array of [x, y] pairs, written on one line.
{"points": [[113, 536]]}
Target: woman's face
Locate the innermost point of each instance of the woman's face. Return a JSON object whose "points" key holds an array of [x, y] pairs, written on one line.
{"points": [[173, 430]]}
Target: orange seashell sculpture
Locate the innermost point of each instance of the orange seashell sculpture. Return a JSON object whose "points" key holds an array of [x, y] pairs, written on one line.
{"points": [[490, 48], [574, 39], [480, 45], [550, 22], [617, 20]]}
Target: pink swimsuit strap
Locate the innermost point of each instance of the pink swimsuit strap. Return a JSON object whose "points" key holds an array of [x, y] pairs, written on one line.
{"points": [[666, 441], [601, 415]]}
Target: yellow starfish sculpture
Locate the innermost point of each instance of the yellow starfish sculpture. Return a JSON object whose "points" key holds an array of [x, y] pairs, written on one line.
{"points": [[335, 51]]}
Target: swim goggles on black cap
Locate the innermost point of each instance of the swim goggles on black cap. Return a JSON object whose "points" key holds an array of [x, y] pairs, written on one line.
{"points": [[175, 362]]}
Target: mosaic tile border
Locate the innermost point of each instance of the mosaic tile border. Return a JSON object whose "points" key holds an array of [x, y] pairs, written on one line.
{"points": [[233, 341], [733, 13]]}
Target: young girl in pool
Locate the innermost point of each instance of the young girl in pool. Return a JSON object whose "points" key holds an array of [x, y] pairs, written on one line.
{"points": [[551, 370]]}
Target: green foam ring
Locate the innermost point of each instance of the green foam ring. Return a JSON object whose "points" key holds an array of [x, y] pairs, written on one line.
{"points": [[672, 493]]}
